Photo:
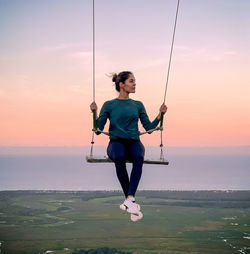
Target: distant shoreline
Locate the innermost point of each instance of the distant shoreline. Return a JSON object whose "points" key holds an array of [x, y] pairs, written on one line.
{"points": [[119, 191], [80, 150]]}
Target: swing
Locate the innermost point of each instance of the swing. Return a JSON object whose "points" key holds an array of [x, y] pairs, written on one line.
{"points": [[93, 159]]}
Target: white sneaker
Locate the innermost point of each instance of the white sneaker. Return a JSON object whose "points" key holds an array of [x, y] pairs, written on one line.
{"points": [[135, 218], [130, 206]]}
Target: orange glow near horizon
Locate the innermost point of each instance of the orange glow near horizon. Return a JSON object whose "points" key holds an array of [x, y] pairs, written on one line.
{"points": [[193, 119]]}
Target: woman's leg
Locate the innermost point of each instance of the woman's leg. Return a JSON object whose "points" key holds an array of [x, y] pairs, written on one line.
{"points": [[116, 152], [137, 151]]}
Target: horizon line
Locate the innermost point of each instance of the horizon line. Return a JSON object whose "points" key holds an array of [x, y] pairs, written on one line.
{"points": [[79, 146]]}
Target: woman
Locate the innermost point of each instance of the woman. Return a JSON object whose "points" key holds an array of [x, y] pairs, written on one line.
{"points": [[123, 114]]}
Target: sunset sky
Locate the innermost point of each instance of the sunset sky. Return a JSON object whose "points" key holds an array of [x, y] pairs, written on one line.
{"points": [[46, 68]]}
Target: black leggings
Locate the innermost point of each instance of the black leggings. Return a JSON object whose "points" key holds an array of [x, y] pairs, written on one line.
{"points": [[133, 150]]}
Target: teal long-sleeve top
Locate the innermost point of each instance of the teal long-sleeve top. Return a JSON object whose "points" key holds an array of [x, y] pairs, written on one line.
{"points": [[124, 116]]}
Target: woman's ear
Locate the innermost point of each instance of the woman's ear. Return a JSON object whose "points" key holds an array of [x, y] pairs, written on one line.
{"points": [[121, 85]]}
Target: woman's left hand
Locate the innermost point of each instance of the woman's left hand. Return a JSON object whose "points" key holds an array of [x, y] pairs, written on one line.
{"points": [[163, 108]]}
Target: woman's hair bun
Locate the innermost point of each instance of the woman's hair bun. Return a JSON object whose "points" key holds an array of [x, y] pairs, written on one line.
{"points": [[114, 77]]}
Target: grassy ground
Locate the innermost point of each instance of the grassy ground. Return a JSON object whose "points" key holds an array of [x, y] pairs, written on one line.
{"points": [[203, 222]]}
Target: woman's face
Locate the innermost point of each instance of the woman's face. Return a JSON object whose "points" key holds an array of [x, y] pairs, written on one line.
{"points": [[129, 84]]}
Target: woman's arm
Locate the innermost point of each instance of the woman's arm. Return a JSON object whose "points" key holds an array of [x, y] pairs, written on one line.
{"points": [[147, 124]]}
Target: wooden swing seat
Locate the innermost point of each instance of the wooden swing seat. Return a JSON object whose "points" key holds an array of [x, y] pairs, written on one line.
{"points": [[92, 159]]}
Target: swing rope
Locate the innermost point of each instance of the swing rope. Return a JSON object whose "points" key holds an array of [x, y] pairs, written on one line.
{"points": [[93, 78], [95, 128], [93, 46], [171, 51], [168, 73]]}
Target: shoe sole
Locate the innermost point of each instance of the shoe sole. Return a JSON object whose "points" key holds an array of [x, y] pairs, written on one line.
{"points": [[135, 218]]}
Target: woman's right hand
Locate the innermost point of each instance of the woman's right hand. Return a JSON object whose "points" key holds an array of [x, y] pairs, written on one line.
{"points": [[93, 106]]}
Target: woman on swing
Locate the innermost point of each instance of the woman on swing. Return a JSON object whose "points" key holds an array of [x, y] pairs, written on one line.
{"points": [[123, 114]]}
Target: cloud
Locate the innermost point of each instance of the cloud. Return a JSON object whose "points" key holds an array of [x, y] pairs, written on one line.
{"points": [[230, 53], [184, 53], [152, 63], [188, 54], [81, 54], [60, 47]]}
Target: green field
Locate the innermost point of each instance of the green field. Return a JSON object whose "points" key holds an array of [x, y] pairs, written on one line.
{"points": [[175, 222]]}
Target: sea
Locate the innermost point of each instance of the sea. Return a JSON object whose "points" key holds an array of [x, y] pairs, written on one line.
{"points": [[65, 168]]}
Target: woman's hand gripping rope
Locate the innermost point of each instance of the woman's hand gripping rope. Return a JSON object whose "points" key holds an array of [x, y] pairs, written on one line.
{"points": [[93, 108], [163, 109]]}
